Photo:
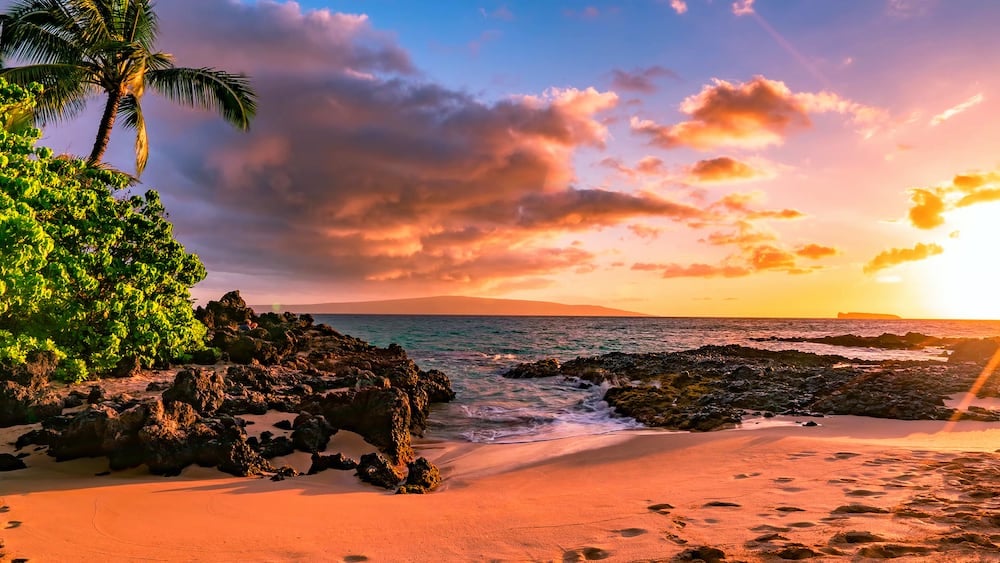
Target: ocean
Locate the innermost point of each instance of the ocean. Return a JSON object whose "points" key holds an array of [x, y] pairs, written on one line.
{"points": [[475, 351]]}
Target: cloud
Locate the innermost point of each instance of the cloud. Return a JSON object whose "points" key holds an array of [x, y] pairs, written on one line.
{"points": [[722, 169], [359, 173], [957, 109], [896, 256], [751, 115], [753, 256], [743, 7], [739, 203], [703, 271], [267, 31], [927, 209], [501, 13], [649, 165], [815, 251], [679, 6], [645, 231], [640, 79], [930, 204], [905, 9]]}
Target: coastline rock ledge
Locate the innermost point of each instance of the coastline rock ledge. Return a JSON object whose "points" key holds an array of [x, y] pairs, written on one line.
{"points": [[253, 364]]}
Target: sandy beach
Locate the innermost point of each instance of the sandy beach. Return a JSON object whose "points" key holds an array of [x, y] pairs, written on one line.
{"points": [[913, 486]]}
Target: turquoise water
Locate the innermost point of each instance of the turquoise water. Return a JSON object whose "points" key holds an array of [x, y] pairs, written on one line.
{"points": [[474, 351]]}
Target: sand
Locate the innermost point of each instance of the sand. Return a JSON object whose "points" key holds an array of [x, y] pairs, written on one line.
{"points": [[619, 497]]}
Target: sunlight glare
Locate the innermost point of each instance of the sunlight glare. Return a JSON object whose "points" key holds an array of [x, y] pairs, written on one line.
{"points": [[962, 282]]}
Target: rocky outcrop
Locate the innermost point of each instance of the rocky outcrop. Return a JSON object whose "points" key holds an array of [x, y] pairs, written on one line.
{"points": [[336, 461], [20, 404], [285, 362], [165, 437], [885, 341], [376, 469], [24, 395], [543, 368], [714, 387], [382, 416], [976, 351], [10, 462], [422, 477], [203, 389], [311, 433]]}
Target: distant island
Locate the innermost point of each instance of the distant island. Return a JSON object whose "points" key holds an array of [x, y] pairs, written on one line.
{"points": [[454, 305], [867, 316]]}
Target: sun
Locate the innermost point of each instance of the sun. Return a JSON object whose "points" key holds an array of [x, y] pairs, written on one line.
{"points": [[964, 282]]}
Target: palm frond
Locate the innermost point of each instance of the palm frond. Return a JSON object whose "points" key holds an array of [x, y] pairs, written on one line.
{"points": [[143, 25], [41, 31], [228, 94], [65, 88], [130, 112]]}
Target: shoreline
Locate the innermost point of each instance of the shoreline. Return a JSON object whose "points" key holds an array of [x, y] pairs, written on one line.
{"points": [[566, 499]]}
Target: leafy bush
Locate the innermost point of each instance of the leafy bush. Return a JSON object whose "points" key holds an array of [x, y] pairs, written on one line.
{"points": [[93, 277]]}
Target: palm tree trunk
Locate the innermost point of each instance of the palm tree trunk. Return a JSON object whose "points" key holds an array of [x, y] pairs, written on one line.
{"points": [[104, 131]]}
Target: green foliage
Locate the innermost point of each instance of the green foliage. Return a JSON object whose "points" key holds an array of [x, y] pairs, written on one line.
{"points": [[93, 277]]}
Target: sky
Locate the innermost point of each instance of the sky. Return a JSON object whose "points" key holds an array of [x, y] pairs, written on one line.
{"points": [[768, 158]]}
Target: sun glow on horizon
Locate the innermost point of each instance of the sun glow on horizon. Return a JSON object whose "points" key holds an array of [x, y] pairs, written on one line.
{"points": [[963, 282]]}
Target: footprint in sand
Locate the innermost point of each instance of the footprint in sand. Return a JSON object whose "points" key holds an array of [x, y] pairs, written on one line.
{"points": [[793, 489], [746, 475], [13, 524], [790, 509], [769, 528], [845, 455], [863, 493], [585, 554], [4, 508], [784, 479], [675, 538], [720, 504], [661, 508], [630, 532], [355, 558], [801, 524]]}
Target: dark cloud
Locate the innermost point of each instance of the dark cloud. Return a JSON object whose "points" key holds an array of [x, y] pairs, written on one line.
{"points": [[641, 79], [357, 170], [276, 36]]}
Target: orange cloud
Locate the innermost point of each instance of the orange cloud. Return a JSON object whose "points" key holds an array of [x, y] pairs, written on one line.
{"points": [[896, 256], [740, 203], [930, 204], [645, 231], [815, 251], [679, 6], [927, 209], [750, 259], [722, 169], [752, 115], [703, 271]]}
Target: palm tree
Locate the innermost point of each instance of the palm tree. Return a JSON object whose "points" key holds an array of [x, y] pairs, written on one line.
{"points": [[82, 48]]}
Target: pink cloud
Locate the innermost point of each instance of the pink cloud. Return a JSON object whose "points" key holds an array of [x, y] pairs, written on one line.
{"points": [[751, 115]]}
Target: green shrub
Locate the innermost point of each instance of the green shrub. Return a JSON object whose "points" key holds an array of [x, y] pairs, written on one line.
{"points": [[91, 276]]}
